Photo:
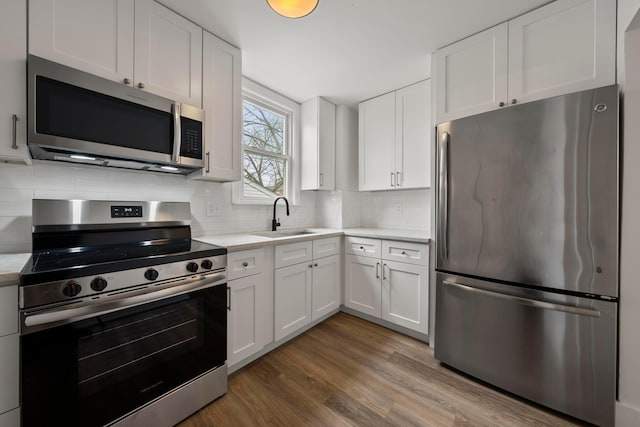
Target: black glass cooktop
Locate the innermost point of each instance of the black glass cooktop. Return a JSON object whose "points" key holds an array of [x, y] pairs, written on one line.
{"points": [[84, 254]]}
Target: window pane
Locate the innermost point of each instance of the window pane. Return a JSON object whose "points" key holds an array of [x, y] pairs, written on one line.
{"points": [[264, 176], [263, 129]]}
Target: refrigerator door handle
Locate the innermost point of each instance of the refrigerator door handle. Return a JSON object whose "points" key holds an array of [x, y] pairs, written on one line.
{"points": [[582, 311], [443, 201]]}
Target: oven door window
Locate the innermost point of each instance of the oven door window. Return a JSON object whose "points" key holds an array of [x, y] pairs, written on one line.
{"points": [[94, 371]]}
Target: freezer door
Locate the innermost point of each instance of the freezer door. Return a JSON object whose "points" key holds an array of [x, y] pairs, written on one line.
{"points": [[557, 350], [529, 194]]}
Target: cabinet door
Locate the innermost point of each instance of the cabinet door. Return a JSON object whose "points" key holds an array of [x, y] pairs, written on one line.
{"points": [[246, 319], [325, 295], [222, 103], [362, 284], [471, 75], [413, 136], [376, 143], [9, 370], [405, 295], [566, 46], [13, 71], [9, 310], [95, 36], [11, 418], [168, 53], [292, 298], [318, 122]]}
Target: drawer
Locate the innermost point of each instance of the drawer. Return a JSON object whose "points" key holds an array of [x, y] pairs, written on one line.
{"points": [[293, 253], [8, 310], [245, 263], [326, 247], [412, 253], [362, 246]]}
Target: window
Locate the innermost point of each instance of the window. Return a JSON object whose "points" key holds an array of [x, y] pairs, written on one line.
{"points": [[267, 146]]}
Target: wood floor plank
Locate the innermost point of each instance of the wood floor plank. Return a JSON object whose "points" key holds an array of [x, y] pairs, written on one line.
{"points": [[350, 372]]}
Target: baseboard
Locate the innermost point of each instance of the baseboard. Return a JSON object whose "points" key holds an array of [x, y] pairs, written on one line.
{"points": [[405, 331], [627, 415]]}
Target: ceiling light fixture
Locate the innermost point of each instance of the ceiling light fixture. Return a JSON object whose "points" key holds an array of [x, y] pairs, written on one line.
{"points": [[293, 8]]}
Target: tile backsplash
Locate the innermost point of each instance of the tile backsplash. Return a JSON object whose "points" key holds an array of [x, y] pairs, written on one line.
{"points": [[211, 207]]}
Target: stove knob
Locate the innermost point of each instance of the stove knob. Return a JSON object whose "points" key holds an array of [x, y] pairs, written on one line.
{"points": [[206, 264], [192, 267], [71, 289], [151, 274], [98, 284]]}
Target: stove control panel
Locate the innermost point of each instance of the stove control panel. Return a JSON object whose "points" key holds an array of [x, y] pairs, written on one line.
{"points": [[93, 287]]}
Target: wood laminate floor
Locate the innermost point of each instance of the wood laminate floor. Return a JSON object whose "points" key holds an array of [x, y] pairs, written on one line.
{"points": [[350, 372]]}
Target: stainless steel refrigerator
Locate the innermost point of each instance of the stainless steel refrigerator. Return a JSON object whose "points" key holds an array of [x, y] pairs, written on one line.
{"points": [[527, 250]]}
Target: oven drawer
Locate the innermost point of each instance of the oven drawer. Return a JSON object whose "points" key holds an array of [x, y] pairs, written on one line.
{"points": [[244, 263]]}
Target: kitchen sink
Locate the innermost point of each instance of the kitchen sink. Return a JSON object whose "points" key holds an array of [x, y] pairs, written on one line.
{"points": [[283, 233]]}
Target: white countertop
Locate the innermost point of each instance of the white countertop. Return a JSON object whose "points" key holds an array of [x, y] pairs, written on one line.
{"points": [[244, 241], [10, 267]]}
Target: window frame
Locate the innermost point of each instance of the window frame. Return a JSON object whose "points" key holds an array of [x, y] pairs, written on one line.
{"points": [[264, 97]]}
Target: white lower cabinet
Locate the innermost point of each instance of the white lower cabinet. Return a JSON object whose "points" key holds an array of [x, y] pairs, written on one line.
{"points": [[9, 369], [293, 298], [385, 288], [309, 289], [249, 319]]}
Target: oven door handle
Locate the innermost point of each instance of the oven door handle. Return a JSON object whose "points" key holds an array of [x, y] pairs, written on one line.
{"points": [[122, 301]]}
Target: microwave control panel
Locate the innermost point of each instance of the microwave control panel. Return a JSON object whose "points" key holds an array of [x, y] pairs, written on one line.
{"points": [[191, 143]]}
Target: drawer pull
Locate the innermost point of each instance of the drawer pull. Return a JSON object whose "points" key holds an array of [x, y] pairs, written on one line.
{"points": [[310, 265], [315, 264], [245, 264], [404, 253], [362, 248]]}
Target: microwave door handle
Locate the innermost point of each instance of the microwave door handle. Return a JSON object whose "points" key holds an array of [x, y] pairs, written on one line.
{"points": [[177, 133]]}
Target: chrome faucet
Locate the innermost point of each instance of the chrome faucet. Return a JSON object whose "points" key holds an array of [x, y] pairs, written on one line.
{"points": [[274, 222]]}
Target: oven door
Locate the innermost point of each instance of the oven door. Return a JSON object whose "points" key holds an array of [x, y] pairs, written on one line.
{"points": [[93, 371]]}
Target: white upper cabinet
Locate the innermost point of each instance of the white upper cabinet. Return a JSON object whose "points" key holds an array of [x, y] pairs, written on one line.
{"points": [[318, 121], [563, 47], [394, 139], [413, 134], [376, 142], [13, 74], [141, 43], [222, 102], [471, 75], [95, 36], [168, 53]]}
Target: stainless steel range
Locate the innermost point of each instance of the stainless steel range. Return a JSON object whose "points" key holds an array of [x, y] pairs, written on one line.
{"points": [[123, 316]]}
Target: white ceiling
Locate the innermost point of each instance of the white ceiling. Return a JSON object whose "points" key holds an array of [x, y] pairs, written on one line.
{"points": [[346, 50]]}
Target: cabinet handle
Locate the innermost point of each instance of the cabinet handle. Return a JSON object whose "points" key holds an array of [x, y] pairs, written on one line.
{"points": [[377, 270], [315, 264], [126, 81], [310, 265], [501, 104], [398, 179], [404, 253], [362, 248], [14, 145], [228, 298], [245, 264], [208, 159], [392, 174], [321, 180], [384, 276], [513, 101], [141, 85]]}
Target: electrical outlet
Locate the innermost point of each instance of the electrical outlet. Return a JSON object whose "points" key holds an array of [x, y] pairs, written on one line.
{"points": [[214, 209], [397, 208]]}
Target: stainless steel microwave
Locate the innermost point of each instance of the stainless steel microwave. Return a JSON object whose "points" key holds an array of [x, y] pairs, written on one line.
{"points": [[74, 116]]}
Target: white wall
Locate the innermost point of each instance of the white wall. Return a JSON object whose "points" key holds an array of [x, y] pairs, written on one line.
{"points": [[20, 184], [628, 407]]}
